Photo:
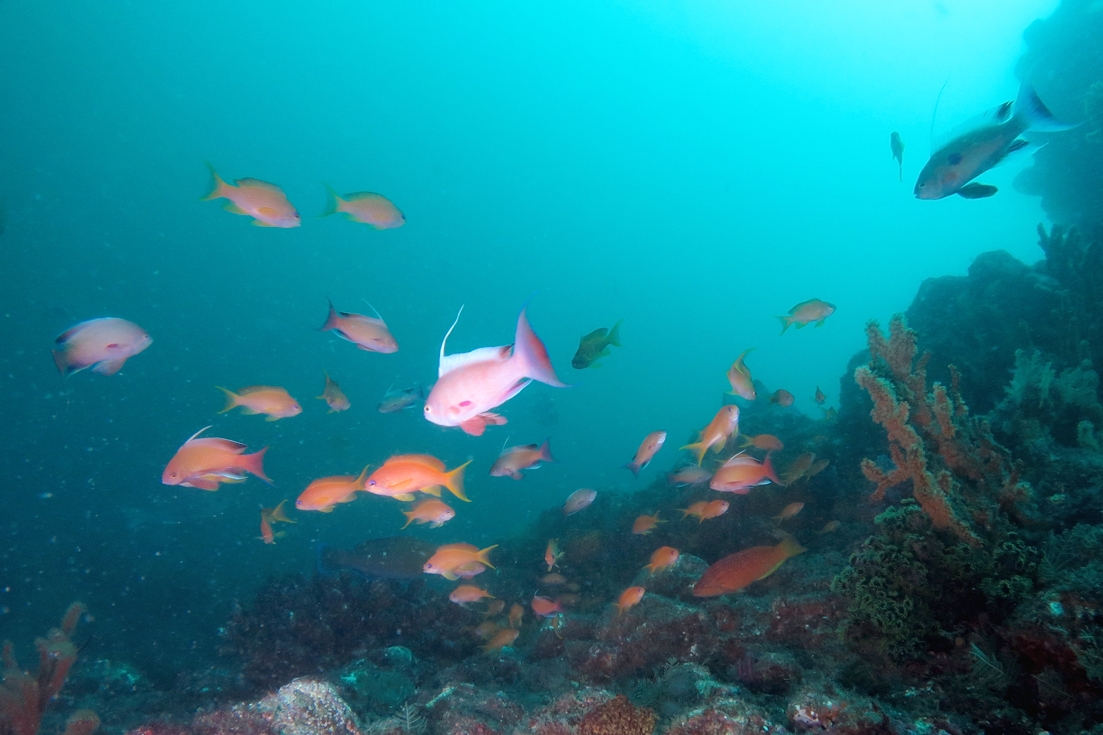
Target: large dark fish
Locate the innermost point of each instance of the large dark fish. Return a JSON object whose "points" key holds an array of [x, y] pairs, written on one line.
{"points": [[981, 144], [897, 145], [395, 557], [594, 345]]}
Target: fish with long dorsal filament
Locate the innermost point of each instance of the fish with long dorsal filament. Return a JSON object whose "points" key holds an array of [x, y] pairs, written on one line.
{"points": [[743, 472], [370, 334], [206, 462], [523, 457]]}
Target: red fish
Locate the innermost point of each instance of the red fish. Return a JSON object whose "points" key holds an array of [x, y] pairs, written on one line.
{"points": [[268, 516], [473, 383], [545, 607], [628, 598], [205, 462], [552, 554], [742, 472], [101, 344], [644, 525], [739, 375], [524, 457], [724, 425], [368, 333], [734, 572], [651, 444]]}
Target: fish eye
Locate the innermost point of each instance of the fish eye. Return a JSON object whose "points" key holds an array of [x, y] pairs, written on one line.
{"points": [[428, 410]]}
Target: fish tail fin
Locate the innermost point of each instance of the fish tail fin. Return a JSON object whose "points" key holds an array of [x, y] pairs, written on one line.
{"points": [[545, 451], [454, 482], [61, 359], [698, 450], [768, 466], [278, 516], [409, 518], [483, 557], [362, 479], [1033, 113], [254, 464], [331, 318], [333, 202], [785, 322], [613, 337], [685, 513], [791, 547], [231, 399], [634, 467], [219, 188], [532, 355]]}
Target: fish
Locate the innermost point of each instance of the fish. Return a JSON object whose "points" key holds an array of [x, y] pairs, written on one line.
{"points": [[724, 425], [743, 472], [788, 512], [451, 561], [982, 143], [516, 615], [798, 468], [370, 334], [364, 207], [501, 639], [688, 476], [395, 400], [651, 444], [738, 570], [896, 143], [782, 398], [205, 462], [487, 630], [405, 474], [817, 467], [473, 383], [553, 579], [101, 344], [552, 554], [268, 516], [276, 403], [545, 607], [326, 492], [595, 345], [829, 527], [394, 557], [765, 442], [628, 598], [523, 457], [334, 397], [494, 608], [704, 510], [644, 525], [579, 500], [807, 312], [830, 414], [739, 375], [663, 557], [432, 511], [265, 203], [819, 397], [466, 593]]}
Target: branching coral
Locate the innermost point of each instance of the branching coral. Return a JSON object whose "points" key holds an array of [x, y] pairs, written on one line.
{"points": [[24, 696]]}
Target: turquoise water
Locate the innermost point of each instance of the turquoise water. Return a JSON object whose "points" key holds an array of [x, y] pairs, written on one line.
{"points": [[691, 168]]}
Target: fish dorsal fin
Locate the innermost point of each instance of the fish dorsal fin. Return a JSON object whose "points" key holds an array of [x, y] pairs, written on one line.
{"points": [[448, 363], [196, 434], [989, 118], [377, 314], [444, 342], [258, 184]]}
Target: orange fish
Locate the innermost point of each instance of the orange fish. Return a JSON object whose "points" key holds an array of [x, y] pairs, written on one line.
{"points": [[662, 558], [740, 378], [366, 208], [516, 615], [470, 385], [687, 476], [552, 554], [466, 593], [503, 638], [432, 511], [788, 512], [205, 462], [334, 397], [820, 397], [101, 344], [782, 398], [545, 607], [734, 572], [452, 561], [325, 492], [487, 630], [493, 608], [742, 472], [268, 516], [553, 578], [628, 598], [579, 500], [704, 510], [265, 203], [645, 524], [651, 444], [724, 425], [405, 474], [766, 442], [524, 457], [798, 468], [368, 333], [807, 312], [275, 403]]}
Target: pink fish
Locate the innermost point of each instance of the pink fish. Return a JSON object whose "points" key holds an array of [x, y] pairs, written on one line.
{"points": [[101, 344], [742, 472], [691, 475], [473, 383], [578, 500], [265, 203], [367, 333], [523, 457], [651, 444]]}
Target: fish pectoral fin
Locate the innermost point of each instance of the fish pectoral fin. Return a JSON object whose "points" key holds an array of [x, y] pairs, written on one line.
{"points": [[261, 223], [433, 490], [404, 497], [977, 191], [326, 509], [449, 576], [233, 208], [109, 367], [249, 411], [273, 418]]}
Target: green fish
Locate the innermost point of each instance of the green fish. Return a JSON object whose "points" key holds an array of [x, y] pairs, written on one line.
{"points": [[595, 345]]}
